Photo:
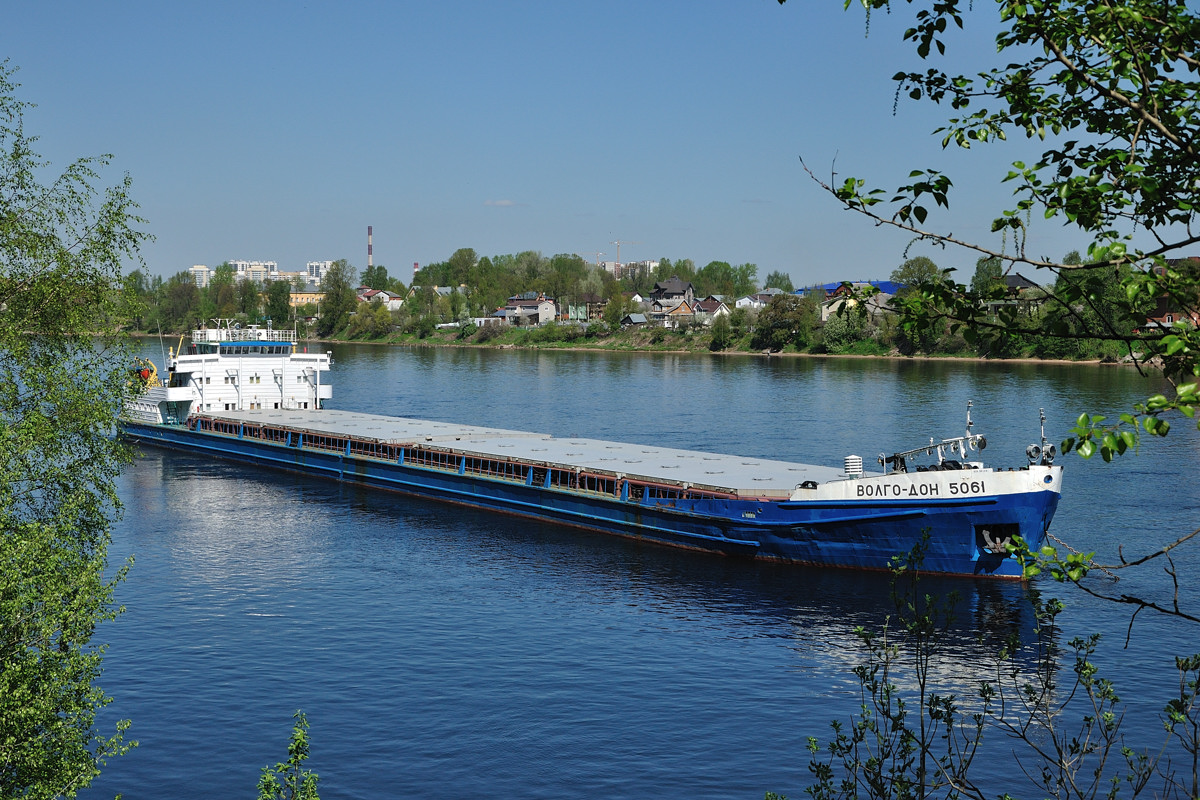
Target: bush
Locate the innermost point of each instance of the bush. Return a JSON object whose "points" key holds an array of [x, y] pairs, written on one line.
{"points": [[722, 334], [425, 326], [489, 332], [843, 331]]}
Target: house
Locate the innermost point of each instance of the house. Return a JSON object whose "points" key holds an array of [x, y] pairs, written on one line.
{"points": [[672, 292], [1016, 284], [390, 300], [1021, 292], [876, 305], [674, 316], [1166, 311], [759, 300], [310, 294], [633, 319], [530, 308], [709, 309], [587, 307]]}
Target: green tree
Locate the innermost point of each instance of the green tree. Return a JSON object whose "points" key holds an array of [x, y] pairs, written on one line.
{"points": [[615, 311], [340, 298], [63, 382], [289, 780], [721, 277], [370, 321], [139, 295], [844, 329], [745, 280], [715, 277], [461, 267], [279, 308], [180, 309], [787, 320], [221, 291], [916, 271], [779, 280], [989, 274], [722, 333], [376, 277], [248, 298]]}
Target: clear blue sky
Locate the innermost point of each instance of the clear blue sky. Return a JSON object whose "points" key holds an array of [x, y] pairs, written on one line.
{"points": [[281, 130]]}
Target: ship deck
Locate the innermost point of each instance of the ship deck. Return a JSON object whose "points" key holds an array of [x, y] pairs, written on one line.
{"points": [[744, 476]]}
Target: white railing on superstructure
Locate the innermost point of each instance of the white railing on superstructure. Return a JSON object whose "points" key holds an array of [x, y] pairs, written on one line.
{"points": [[250, 334]]}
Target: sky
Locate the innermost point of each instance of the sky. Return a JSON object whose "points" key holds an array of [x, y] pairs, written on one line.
{"points": [[281, 130]]}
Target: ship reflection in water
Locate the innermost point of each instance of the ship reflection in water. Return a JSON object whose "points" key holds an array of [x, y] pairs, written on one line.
{"points": [[269, 531]]}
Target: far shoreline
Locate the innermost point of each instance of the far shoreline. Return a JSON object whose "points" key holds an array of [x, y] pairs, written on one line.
{"points": [[720, 353], [779, 354]]}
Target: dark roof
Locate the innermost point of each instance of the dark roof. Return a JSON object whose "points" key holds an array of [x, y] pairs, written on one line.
{"points": [[1019, 282], [672, 285]]}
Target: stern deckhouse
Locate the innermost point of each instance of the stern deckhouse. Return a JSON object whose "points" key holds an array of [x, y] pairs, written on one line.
{"points": [[234, 368]]}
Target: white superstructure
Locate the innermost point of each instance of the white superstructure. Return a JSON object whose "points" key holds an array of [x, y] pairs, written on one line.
{"points": [[230, 368]]}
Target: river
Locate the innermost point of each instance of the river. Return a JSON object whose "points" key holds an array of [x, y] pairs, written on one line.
{"points": [[443, 652]]}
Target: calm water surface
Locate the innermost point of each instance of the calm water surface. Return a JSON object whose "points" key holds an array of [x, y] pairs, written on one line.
{"points": [[442, 652]]}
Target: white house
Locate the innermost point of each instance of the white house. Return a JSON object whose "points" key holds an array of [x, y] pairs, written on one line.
{"points": [[531, 308]]}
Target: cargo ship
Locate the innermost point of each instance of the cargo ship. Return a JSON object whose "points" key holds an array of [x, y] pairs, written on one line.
{"points": [[248, 395]]}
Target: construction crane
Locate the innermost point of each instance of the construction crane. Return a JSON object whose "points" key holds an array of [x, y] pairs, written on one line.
{"points": [[618, 243], [597, 255]]}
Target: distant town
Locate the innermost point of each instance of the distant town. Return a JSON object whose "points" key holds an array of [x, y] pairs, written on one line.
{"points": [[528, 299]]}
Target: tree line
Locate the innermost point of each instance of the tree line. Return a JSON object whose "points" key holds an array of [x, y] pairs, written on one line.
{"points": [[480, 284]]}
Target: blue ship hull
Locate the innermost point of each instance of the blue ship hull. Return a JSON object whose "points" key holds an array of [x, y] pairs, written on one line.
{"points": [[866, 533]]}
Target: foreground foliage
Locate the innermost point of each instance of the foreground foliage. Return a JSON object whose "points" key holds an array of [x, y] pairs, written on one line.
{"points": [[914, 738], [289, 780], [63, 378], [1111, 92], [1112, 89]]}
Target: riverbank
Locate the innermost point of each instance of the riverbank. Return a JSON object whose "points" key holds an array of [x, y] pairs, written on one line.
{"points": [[642, 341], [450, 341]]}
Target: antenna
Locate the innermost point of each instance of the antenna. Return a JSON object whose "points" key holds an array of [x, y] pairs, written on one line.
{"points": [[370, 249]]}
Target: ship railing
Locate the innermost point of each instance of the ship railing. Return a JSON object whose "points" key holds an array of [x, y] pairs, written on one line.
{"points": [[551, 476], [962, 446], [249, 334]]}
